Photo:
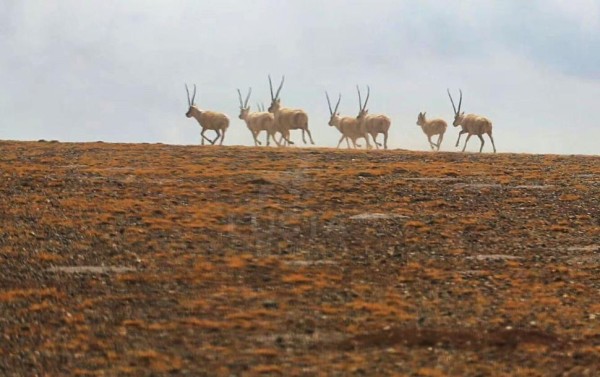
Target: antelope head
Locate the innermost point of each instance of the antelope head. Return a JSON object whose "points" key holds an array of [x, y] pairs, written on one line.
{"points": [[421, 120], [333, 113], [458, 115], [275, 100], [191, 104], [362, 108], [244, 108]]}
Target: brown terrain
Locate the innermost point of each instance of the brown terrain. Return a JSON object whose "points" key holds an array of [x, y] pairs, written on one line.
{"points": [[140, 259]]}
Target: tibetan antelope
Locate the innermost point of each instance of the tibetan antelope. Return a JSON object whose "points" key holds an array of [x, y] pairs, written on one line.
{"points": [[287, 119], [348, 126], [257, 121], [432, 127], [374, 124], [208, 120], [471, 124]]}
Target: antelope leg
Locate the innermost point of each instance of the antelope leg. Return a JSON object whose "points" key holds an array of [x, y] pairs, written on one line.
{"points": [[466, 141], [482, 143], [492, 139]]}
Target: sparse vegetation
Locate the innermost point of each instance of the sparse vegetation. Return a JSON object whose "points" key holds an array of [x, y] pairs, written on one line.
{"points": [[248, 261]]}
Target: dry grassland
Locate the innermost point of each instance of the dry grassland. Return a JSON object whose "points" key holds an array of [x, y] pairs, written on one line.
{"points": [[137, 259]]}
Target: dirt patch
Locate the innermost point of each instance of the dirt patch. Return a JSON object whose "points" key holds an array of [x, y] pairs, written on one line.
{"points": [[91, 269], [466, 339], [377, 216], [494, 257]]}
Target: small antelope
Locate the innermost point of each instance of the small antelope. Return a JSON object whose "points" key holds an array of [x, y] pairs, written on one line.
{"points": [[374, 124], [471, 124], [348, 126], [287, 119], [432, 127], [208, 120], [257, 121]]}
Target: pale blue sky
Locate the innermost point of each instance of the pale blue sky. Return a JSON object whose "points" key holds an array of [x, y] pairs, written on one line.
{"points": [[114, 70]]}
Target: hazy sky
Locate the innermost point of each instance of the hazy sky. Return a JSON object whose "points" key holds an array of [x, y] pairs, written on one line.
{"points": [[115, 70]]}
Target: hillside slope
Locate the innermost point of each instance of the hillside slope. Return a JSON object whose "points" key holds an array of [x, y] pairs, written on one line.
{"points": [[136, 258]]}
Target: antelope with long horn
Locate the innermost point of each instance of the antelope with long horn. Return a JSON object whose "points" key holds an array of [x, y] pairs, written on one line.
{"points": [[287, 119], [374, 124], [432, 127], [257, 121], [348, 126], [471, 124], [208, 120]]}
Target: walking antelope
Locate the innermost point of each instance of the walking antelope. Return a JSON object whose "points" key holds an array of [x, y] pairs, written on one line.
{"points": [[432, 127], [471, 124], [348, 126], [257, 121], [208, 120], [287, 119], [374, 124]]}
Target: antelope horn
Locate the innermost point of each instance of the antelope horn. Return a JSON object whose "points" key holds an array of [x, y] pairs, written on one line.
{"points": [[271, 88], [280, 86], [328, 103], [188, 95], [367, 99], [359, 98], [337, 104], [194, 95], [460, 101], [247, 97], [452, 101], [240, 98]]}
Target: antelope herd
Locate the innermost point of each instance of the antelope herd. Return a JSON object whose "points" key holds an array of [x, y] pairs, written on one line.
{"points": [[281, 120]]}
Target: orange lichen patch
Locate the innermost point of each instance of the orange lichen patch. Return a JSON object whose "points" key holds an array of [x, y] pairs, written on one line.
{"points": [[414, 224], [44, 305], [205, 324], [380, 309], [265, 352], [156, 361], [17, 294], [134, 323], [569, 197], [161, 326], [431, 372], [49, 257], [74, 319], [251, 314], [238, 261], [197, 304], [267, 369], [560, 228], [297, 279]]}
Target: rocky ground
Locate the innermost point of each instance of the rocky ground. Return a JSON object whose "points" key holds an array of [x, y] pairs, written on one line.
{"points": [[139, 259]]}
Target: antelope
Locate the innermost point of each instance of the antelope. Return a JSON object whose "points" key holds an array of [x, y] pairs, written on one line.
{"points": [[471, 124], [348, 126], [432, 127], [257, 121], [374, 124], [287, 119], [208, 120]]}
